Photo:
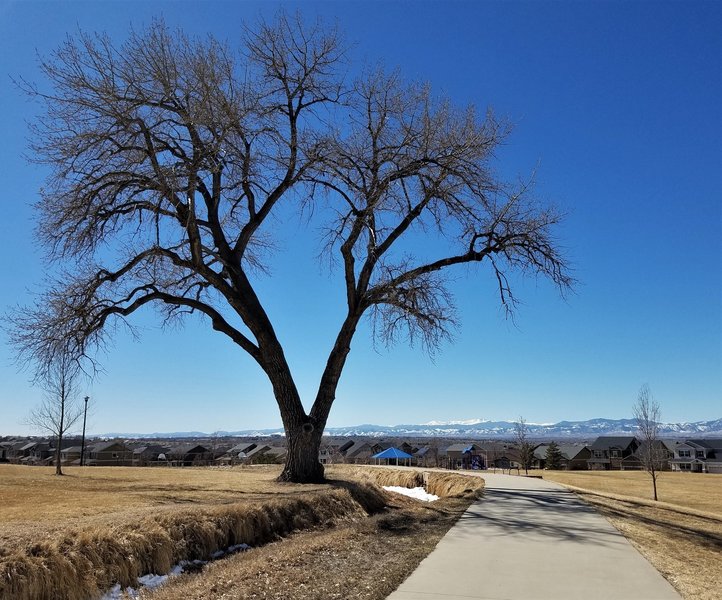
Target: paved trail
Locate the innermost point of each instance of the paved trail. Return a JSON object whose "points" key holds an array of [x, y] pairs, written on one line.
{"points": [[530, 539]]}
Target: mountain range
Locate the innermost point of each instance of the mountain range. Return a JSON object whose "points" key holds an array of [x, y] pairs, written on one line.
{"points": [[472, 429]]}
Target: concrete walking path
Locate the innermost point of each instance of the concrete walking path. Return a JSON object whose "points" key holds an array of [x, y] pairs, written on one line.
{"points": [[530, 539]]}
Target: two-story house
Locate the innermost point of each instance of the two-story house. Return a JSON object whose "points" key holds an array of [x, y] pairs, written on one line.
{"points": [[609, 451], [698, 456], [109, 454], [466, 456]]}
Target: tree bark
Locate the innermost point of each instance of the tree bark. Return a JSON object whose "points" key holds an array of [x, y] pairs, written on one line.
{"points": [[302, 463], [303, 432], [58, 468]]}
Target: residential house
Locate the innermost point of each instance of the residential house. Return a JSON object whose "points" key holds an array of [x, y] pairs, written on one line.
{"points": [[266, 454], [334, 452], [662, 451], [408, 448], [360, 454], [144, 456], [5, 450], [109, 454], [237, 454], [609, 451], [70, 455], [573, 456], [466, 456], [505, 459], [219, 450], [14, 451], [427, 456], [36, 453], [189, 455], [499, 455], [698, 456]]}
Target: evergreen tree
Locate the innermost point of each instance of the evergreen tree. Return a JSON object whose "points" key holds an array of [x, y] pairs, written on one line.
{"points": [[553, 457]]}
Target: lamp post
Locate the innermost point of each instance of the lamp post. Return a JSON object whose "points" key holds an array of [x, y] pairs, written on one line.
{"points": [[82, 444]]}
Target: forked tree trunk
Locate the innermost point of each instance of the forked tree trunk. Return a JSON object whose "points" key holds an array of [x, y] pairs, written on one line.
{"points": [[302, 463], [304, 431]]}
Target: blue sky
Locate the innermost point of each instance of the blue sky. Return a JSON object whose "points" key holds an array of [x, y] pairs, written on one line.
{"points": [[618, 104]]}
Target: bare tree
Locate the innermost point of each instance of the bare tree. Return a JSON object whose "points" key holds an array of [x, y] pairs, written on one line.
{"points": [[59, 410], [652, 452], [169, 155], [526, 448]]}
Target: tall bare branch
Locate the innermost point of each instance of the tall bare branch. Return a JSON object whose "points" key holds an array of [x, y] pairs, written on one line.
{"points": [[168, 155]]}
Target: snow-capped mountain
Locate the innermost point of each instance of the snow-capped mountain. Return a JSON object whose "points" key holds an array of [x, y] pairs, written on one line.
{"points": [[479, 428]]}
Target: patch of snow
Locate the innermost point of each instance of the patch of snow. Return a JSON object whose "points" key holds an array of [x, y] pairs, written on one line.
{"points": [[418, 493], [467, 422], [152, 581], [113, 593]]}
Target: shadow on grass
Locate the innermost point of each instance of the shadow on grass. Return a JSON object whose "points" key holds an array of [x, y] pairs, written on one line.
{"points": [[631, 511]]}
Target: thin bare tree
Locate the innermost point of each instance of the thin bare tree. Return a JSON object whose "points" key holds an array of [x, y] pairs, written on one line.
{"points": [[59, 411], [170, 155], [525, 447], [652, 452]]}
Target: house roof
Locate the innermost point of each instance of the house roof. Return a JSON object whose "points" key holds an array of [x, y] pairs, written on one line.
{"points": [[360, 450], [73, 449], [604, 442], [242, 447], [346, 445], [710, 444], [463, 448], [541, 451], [105, 446], [182, 449], [571, 451], [258, 450], [151, 449], [670, 444], [659, 444]]}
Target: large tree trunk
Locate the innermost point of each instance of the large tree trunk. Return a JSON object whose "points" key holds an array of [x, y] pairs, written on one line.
{"points": [[302, 463], [303, 432]]}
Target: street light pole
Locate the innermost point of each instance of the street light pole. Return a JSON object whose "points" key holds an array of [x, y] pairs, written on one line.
{"points": [[82, 445]]}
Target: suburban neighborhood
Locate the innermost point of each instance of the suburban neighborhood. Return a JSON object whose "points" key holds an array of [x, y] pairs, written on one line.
{"points": [[610, 453]]}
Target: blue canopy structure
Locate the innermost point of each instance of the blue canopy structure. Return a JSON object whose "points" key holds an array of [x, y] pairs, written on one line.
{"points": [[391, 453]]}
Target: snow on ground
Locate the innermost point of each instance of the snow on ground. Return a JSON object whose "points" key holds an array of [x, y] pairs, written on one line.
{"points": [[419, 493], [152, 581]]}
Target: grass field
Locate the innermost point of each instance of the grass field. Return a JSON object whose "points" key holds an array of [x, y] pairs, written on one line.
{"points": [[333, 539], [681, 535], [696, 491], [71, 537]]}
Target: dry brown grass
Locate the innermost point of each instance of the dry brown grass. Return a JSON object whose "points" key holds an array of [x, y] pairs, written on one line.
{"points": [[365, 559], [102, 526], [36, 494], [696, 491], [681, 535]]}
